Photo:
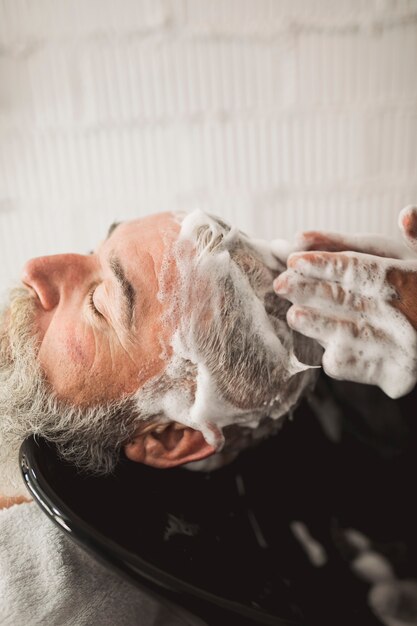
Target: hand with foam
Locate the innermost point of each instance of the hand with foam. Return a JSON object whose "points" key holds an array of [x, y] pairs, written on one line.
{"points": [[357, 296]]}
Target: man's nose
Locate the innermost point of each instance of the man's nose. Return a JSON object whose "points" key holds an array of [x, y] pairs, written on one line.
{"points": [[51, 277]]}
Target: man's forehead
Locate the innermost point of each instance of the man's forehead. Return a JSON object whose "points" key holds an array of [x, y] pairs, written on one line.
{"points": [[152, 235], [159, 221]]}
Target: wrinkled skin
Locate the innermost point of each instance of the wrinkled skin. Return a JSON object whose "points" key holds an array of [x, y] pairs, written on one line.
{"points": [[333, 304], [89, 356]]}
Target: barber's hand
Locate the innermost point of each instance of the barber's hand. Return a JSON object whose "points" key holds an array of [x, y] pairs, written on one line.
{"points": [[361, 305]]}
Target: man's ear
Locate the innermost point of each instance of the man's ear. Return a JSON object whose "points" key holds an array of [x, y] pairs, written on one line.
{"points": [[168, 445]]}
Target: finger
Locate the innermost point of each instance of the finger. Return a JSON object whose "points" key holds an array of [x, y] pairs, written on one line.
{"points": [[315, 293], [348, 360], [407, 222], [366, 361], [356, 271], [326, 328], [335, 242], [356, 349], [353, 349], [321, 240]]}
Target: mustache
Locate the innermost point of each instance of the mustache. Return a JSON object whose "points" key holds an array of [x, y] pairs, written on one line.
{"points": [[17, 326]]}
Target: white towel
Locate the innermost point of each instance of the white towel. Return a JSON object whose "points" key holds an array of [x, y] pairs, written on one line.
{"points": [[46, 579]]}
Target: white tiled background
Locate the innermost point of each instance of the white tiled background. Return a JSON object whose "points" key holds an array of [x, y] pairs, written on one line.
{"points": [[277, 114]]}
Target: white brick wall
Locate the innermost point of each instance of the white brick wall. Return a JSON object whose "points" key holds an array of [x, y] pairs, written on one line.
{"points": [[277, 114]]}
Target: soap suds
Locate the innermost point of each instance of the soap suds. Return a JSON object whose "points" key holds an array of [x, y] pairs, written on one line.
{"points": [[346, 303], [231, 358]]}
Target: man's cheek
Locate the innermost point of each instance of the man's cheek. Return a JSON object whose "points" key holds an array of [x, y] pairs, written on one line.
{"points": [[63, 352], [76, 351]]}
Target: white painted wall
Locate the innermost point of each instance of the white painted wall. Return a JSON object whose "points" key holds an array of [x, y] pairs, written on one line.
{"points": [[277, 114]]}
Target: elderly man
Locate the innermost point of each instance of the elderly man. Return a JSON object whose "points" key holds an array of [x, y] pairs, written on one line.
{"points": [[167, 342]]}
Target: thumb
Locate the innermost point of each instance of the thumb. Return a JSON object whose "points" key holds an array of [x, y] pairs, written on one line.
{"points": [[395, 602], [407, 222]]}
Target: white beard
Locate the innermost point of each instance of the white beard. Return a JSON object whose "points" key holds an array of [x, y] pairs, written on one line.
{"points": [[19, 377]]}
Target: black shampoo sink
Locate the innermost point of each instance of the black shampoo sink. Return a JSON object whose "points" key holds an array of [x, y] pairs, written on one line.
{"points": [[220, 543]]}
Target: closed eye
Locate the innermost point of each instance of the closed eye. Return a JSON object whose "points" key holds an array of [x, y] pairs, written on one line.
{"points": [[91, 304]]}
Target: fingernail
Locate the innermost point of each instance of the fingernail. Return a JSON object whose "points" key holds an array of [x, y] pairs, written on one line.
{"points": [[280, 286], [295, 316]]}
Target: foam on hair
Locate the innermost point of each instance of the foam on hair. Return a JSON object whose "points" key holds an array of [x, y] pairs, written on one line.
{"points": [[231, 347]]}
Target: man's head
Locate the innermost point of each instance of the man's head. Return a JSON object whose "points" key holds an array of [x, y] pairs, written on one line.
{"points": [[156, 343]]}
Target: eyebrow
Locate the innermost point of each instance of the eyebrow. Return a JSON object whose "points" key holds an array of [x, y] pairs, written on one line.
{"points": [[109, 232], [112, 227], [127, 288]]}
